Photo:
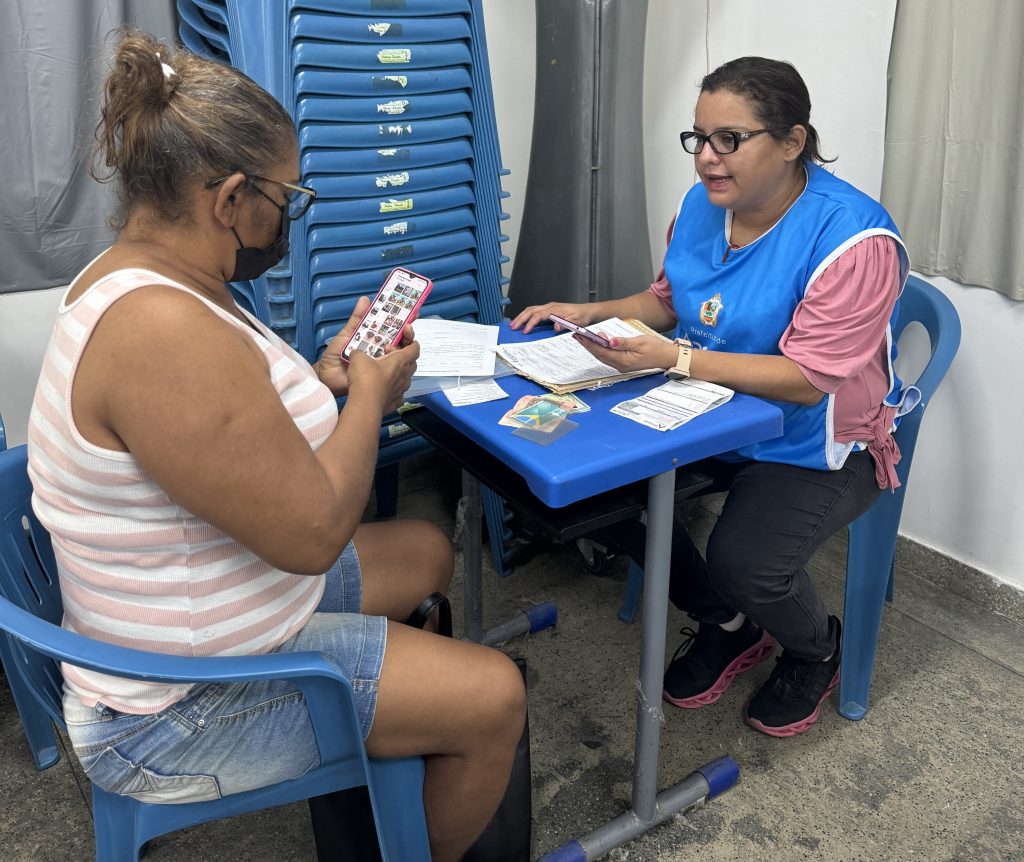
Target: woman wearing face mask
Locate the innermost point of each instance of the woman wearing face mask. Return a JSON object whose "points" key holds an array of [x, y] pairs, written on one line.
{"points": [[204, 495], [780, 280]]}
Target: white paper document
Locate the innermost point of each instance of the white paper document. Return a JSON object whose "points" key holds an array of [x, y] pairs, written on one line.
{"points": [[673, 404], [473, 392], [451, 348], [425, 385], [562, 359]]}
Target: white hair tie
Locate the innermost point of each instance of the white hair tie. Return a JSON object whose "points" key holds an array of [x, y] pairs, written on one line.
{"points": [[168, 71]]}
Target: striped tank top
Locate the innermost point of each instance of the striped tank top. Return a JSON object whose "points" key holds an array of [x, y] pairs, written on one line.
{"points": [[135, 568]]}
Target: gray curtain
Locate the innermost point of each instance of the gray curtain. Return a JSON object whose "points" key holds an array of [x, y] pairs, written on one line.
{"points": [[52, 64], [584, 232], [954, 139]]}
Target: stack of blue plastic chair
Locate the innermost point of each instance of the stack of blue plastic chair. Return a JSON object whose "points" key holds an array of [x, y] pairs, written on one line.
{"points": [[393, 106]]}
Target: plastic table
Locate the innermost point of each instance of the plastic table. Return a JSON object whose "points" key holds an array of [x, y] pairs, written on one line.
{"points": [[596, 474]]}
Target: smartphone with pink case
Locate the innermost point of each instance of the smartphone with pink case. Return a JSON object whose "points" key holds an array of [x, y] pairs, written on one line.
{"points": [[580, 330], [397, 303]]}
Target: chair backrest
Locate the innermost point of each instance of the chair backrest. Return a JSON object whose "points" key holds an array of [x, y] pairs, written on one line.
{"points": [[923, 303], [28, 577], [3, 436]]}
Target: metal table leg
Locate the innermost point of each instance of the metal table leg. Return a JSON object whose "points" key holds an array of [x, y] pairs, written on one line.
{"points": [[532, 619], [660, 504], [472, 553], [650, 807]]}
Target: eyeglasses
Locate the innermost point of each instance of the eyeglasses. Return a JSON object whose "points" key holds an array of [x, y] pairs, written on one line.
{"points": [[723, 142], [297, 201]]}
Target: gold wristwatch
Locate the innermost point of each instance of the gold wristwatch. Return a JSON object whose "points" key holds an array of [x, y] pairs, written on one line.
{"points": [[681, 370]]}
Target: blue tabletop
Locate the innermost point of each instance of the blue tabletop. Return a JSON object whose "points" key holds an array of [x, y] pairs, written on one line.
{"points": [[605, 451]]}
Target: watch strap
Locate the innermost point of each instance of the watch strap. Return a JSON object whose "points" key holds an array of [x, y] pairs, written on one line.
{"points": [[681, 370]]}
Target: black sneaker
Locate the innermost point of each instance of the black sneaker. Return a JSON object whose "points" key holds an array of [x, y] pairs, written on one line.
{"points": [[712, 659], [790, 701]]}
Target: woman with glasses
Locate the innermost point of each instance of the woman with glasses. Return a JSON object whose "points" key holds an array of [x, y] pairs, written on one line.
{"points": [[204, 494], [779, 280]]}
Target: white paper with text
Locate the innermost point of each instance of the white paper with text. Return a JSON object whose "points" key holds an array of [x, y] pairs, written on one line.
{"points": [[562, 359], [453, 348], [473, 392], [674, 403]]}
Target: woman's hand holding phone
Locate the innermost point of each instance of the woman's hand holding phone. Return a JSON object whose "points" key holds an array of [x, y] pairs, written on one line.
{"points": [[634, 354], [637, 353], [331, 368], [387, 377]]}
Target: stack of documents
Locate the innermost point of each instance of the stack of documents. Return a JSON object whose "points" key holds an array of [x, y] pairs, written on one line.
{"points": [[451, 348], [453, 352], [564, 365]]}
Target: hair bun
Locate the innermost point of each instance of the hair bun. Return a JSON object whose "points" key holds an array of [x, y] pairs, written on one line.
{"points": [[170, 117], [139, 73]]}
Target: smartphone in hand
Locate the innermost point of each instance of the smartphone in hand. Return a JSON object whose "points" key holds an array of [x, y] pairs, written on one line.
{"points": [[579, 330], [395, 305]]}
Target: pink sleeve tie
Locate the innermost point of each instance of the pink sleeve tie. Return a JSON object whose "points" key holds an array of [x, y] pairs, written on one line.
{"points": [[886, 455]]}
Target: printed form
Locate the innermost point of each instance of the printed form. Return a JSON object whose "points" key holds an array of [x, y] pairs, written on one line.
{"points": [[562, 359], [451, 348], [473, 392], [673, 404], [457, 358]]}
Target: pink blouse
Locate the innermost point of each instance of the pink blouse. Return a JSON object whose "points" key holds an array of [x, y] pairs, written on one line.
{"points": [[837, 338]]}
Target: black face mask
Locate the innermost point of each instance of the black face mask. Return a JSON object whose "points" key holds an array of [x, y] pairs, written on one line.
{"points": [[251, 262]]}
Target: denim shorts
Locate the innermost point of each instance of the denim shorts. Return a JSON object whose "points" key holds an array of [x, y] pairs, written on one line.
{"points": [[225, 738]]}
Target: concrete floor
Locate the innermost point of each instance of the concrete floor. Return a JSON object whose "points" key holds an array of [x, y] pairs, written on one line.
{"points": [[934, 772]]}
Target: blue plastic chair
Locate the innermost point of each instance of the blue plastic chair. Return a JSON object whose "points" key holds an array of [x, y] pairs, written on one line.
{"points": [[870, 558], [872, 544], [33, 644]]}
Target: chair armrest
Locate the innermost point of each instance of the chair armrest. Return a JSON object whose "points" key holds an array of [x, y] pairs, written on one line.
{"points": [[328, 692]]}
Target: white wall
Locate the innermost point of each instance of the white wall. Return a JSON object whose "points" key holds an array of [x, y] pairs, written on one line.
{"points": [[965, 493], [963, 499], [512, 51], [25, 323]]}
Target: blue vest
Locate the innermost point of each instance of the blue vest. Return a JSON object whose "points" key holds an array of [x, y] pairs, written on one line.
{"points": [[742, 300]]}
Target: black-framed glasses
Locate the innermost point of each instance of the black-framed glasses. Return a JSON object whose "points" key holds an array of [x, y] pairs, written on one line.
{"points": [[723, 142], [298, 198]]}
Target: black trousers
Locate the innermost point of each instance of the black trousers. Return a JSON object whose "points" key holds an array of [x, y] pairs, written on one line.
{"points": [[774, 518]]}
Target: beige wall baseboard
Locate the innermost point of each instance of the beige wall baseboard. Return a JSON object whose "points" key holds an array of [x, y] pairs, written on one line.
{"points": [[958, 578]]}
